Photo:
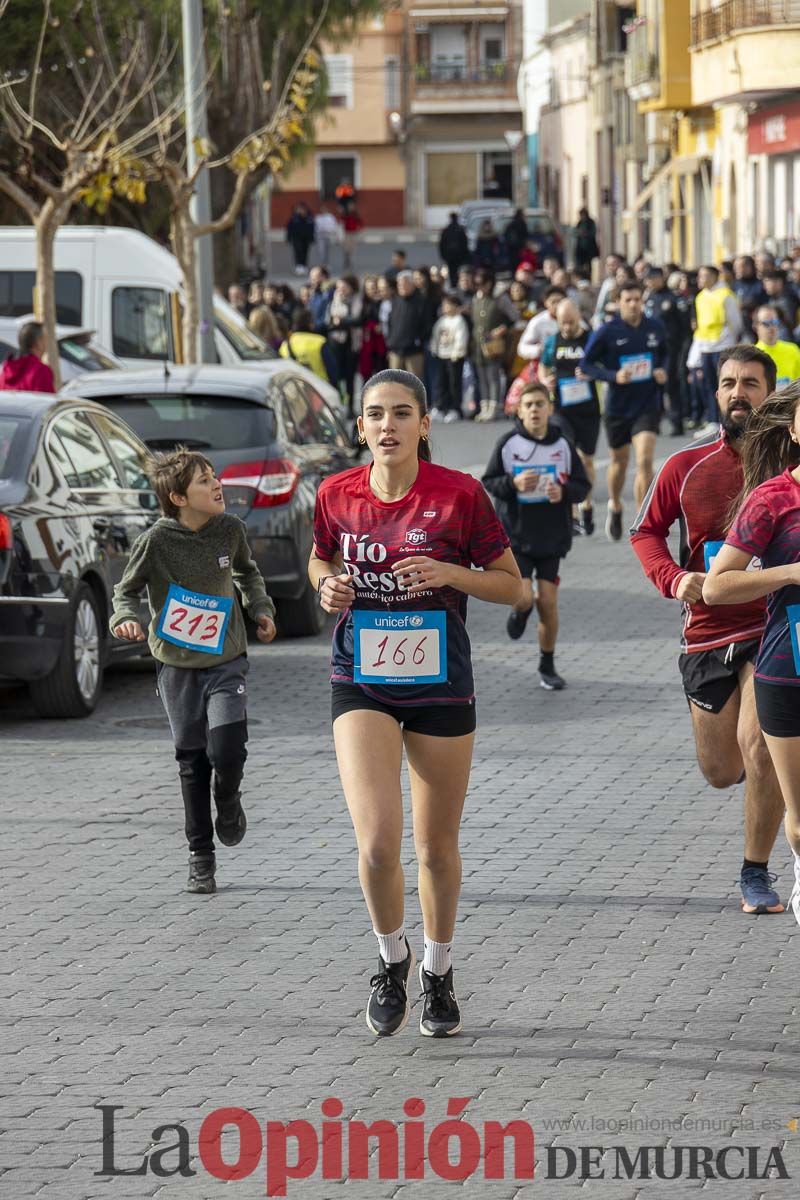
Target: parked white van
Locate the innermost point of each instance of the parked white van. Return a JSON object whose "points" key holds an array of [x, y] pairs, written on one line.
{"points": [[123, 285]]}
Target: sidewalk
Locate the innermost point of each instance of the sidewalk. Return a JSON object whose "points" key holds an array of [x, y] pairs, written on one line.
{"points": [[613, 993]]}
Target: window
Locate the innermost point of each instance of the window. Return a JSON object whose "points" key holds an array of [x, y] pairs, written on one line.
{"points": [[300, 423], [331, 173], [248, 345], [13, 431], [16, 295], [329, 428], [391, 66], [140, 323], [88, 463], [452, 177], [339, 68], [129, 453], [79, 352], [199, 422]]}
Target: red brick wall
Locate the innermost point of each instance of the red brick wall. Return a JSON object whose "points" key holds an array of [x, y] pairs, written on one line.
{"points": [[379, 207]]}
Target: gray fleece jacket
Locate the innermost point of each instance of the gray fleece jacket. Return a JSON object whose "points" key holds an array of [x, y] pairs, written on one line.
{"points": [[210, 560]]}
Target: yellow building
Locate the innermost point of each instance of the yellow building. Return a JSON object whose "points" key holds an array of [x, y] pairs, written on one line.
{"points": [[717, 82], [746, 66]]}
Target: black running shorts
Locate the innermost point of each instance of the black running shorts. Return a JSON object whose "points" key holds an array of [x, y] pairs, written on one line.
{"points": [[710, 677], [436, 720], [620, 431], [778, 707], [581, 424], [542, 568]]}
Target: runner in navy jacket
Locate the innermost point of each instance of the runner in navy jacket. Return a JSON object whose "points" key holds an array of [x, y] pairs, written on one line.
{"points": [[630, 355]]}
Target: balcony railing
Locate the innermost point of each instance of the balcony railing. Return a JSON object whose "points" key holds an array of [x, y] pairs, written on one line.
{"points": [[736, 15], [497, 71]]}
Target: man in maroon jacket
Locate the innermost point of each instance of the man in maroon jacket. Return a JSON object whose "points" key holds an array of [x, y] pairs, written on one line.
{"points": [[25, 372], [696, 488]]}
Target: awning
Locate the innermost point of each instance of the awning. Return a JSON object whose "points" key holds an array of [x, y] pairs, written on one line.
{"points": [[684, 164], [483, 12], [663, 172]]}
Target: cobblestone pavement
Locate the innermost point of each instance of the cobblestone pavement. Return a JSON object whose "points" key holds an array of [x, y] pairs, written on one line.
{"points": [[605, 970]]}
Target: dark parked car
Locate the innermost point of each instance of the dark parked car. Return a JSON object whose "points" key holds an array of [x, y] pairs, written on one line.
{"points": [[271, 431], [73, 499]]}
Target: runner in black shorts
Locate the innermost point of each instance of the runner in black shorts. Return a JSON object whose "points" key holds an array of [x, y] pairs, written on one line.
{"points": [[620, 431], [630, 354], [394, 544], [575, 396], [536, 476], [711, 677], [695, 490]]}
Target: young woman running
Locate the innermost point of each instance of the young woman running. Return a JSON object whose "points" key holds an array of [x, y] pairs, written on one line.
{"points": [[394, 544], [768, 527]]}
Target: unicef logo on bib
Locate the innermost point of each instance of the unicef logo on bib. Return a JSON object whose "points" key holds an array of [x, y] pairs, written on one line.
{"points": [[415, 622]]}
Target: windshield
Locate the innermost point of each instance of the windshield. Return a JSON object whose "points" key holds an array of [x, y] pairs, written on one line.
{"points": [[12, 433], [80, 352], [199, 422], [246, 343]]}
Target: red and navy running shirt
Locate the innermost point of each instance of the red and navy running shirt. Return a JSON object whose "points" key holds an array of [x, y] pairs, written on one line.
{"points": [[446, 515], [695, 489], [768, 526]]}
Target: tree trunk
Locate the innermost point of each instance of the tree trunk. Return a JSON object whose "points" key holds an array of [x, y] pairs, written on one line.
{"points": [[44, 308], [184, 246]]}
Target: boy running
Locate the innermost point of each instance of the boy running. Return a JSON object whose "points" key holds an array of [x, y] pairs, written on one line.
{"points": [[189, 562], [536, 477]]}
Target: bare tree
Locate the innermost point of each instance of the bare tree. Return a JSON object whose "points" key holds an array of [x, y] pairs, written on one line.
{"points": [[84, 156], [267, 149]]}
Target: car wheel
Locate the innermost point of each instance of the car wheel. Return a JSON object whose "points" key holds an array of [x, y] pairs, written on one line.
{"points": [[303, 617], [73, 687]]}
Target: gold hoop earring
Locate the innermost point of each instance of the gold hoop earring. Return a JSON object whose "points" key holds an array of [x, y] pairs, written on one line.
{"points": [[424, 437], [362, 441]]}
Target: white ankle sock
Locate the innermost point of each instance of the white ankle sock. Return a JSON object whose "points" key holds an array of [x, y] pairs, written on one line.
{"points": [[438, 959], [392, 946], [796, 865]]}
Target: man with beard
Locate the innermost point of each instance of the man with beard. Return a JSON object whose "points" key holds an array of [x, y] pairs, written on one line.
{"points": [[697, 487]]}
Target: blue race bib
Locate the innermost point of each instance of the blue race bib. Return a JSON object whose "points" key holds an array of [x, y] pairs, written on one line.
{"points": [[546, 473], [793, 617], [397, 648], [194, 621], [710, 552], [641, 366], [574, 391]]}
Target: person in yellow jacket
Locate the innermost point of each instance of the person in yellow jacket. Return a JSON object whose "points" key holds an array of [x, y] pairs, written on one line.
{"points": [[304, 345], [718, 327], [785, 355]]}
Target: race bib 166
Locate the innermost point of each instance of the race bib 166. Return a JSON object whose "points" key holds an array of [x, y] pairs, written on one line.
{"points": [[399, 648]]}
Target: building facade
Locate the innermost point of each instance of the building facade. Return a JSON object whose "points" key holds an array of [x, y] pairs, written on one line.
{"points": [[618, 149], [461, 116], [562, 168], [355, 137], [717, 83]]}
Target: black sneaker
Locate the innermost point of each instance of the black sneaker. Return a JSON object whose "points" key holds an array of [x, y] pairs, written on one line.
{"points": [[587, 521], [551, 681], [515, 625], [577, 527], [231, 823], [201, 874], [387, 1007], [441, 1016], [614, 526]]}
